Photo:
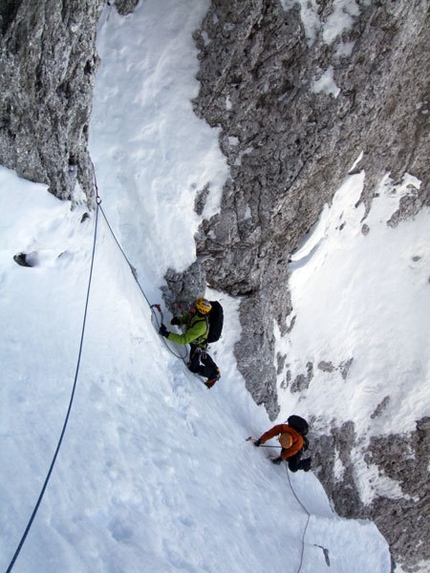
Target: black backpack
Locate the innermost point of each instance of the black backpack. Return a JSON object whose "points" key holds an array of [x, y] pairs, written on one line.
{"points": [[216, 321], [299, 424]]}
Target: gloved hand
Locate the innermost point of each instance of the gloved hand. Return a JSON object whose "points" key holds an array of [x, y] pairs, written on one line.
{"points": [[175, 320], [163, 331], [257, 443], [277, 461]]}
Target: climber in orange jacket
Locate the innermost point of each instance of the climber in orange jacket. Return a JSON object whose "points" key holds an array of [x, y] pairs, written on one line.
{"points": [[293, 443]]}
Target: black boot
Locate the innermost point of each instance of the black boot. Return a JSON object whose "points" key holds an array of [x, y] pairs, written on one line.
{"points": [[305, 465], [211, 381]]}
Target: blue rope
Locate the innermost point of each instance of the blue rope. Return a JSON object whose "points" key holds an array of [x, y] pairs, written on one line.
{"points": [[36, 507], [133, 270]]}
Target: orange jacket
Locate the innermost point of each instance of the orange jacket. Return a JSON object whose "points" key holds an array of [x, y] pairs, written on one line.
{"points": [[298, 441]]}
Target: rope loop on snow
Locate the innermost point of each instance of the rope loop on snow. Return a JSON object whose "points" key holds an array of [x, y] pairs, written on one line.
{"points": [[182, 356], [307, 522], [39, 500]]}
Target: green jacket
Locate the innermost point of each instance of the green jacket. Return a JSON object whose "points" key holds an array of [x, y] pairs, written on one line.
{"points": [[196, 333]]}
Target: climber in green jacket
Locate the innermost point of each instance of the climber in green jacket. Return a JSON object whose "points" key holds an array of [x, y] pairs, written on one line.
{"points": [[195, 322], [196, 333]]}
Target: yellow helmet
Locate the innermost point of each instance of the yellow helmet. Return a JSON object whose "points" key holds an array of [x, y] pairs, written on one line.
{"points": [[202, 305]]}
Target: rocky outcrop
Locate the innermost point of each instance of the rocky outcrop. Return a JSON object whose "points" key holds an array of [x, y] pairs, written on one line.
{"points": [[290, 139], [403, 459], [124, 7], [48, 63], [296, 106]]}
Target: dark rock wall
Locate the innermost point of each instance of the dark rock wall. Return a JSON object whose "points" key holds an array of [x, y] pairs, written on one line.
{"points": [[48, 64], [289, 147], [124, 7], [404, 522], [405, 459]]}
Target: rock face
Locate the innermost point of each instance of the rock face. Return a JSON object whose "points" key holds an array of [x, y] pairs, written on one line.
{"points": [[48, 64], [124, 7], [403, 458], [296, 106], [288, 142]]}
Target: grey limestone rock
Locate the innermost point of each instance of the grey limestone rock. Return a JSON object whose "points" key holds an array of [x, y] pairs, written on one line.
{"points": [[48, 64], [289, 146], [404, 458], [182, 288], [124, 7]]}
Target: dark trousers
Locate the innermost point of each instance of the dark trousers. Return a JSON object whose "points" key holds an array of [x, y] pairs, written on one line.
{"points": [[201, 363], [296, 463]]}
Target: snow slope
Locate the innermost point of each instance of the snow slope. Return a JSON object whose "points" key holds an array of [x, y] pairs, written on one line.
{"points": [[153, 473]]}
